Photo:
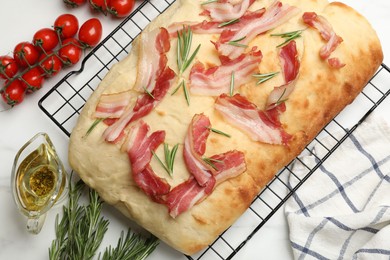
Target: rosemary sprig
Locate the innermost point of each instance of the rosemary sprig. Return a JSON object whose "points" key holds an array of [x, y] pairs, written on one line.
{"points": [[289, 36], [132, 247], [184, 42], [218, 132], [237, 44], [236, 20], [169, 156], [231, 88], [211, 161], [264, 77], [81, 229], [208, 2], [94, 124]]}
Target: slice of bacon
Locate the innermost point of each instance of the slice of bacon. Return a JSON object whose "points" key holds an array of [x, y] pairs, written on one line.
{"points": [[289, 60], [216, 80], [212, 27], [195, 147], [262, 126], [144, 105], [139, 147], [275, 15], [152, 58], [186, 195], [223, 10], [112, 105], [328, 34]]}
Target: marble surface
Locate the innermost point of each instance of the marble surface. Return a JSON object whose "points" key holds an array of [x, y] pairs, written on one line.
{"points": [[19, 19]]}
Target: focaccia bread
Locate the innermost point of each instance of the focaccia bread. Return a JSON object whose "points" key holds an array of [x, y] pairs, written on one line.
{"points": [[284, 113]]}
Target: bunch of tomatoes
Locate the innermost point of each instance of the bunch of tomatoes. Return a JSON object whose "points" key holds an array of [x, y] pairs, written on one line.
{"points": [[49, 51], [117, 8]]}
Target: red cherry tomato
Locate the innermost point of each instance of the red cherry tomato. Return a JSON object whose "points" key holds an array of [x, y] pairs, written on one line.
{"points": [[99, 5], [70, 52], [74, 3], [91, 32], [8, 67], [14, 93], [66, 25], [120, 8], [46, 39], [50, 64], [26, 54], [33, 79]]}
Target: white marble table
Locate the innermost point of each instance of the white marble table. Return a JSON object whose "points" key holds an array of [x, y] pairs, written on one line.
{"points": [[19, 19]]}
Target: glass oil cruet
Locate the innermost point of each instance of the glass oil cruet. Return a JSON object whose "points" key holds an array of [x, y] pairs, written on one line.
{"points": [[38, 180]]}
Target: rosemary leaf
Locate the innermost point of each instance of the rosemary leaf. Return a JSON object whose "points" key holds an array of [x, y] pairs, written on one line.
{"points": [[188, 62], [148, 92], [236, 20], [231, 90], [218, 132], [280, 100], [178, 87], [265, 76], [94, 124], [208, 2], [186, 93], [237, 44]]}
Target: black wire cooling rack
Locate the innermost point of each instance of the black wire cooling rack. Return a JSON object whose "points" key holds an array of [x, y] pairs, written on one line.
{"points": [[64, 102]]}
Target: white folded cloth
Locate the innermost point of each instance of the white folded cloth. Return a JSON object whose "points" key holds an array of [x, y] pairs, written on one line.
{"points": [[343, 210]]}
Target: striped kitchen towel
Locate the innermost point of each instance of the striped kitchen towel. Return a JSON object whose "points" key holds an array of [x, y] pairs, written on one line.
{"points": [[343, 210]]}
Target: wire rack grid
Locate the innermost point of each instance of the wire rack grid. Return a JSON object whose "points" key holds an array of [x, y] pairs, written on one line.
{"points": [[63, 103]]}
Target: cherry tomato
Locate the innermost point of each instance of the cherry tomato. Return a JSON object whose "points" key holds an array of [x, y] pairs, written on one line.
{"points": [[90, 32], [66, 25], [26, 54], [14, 93], [99, 5], [33, 79], [46, 39], [70, 52], [50, 64], [8, 67], [74, 3], [120, 8]]}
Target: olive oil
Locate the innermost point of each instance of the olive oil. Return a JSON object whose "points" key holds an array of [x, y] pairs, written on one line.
{"points": [[37, 177]]}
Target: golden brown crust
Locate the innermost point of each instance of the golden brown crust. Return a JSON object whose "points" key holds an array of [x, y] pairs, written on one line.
{"points": [[320, 94]]}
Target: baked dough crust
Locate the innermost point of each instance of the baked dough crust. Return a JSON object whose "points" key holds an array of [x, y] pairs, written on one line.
{"points": [[320, 94]]}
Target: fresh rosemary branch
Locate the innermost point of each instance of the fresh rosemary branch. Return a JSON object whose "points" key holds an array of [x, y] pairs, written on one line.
{"points": [[185, 90], [81, 229], [265, 76], [289, 36], [132, 247], [184, 42], [237, 44], [236, 20], [218, 132], [169, 156]]}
